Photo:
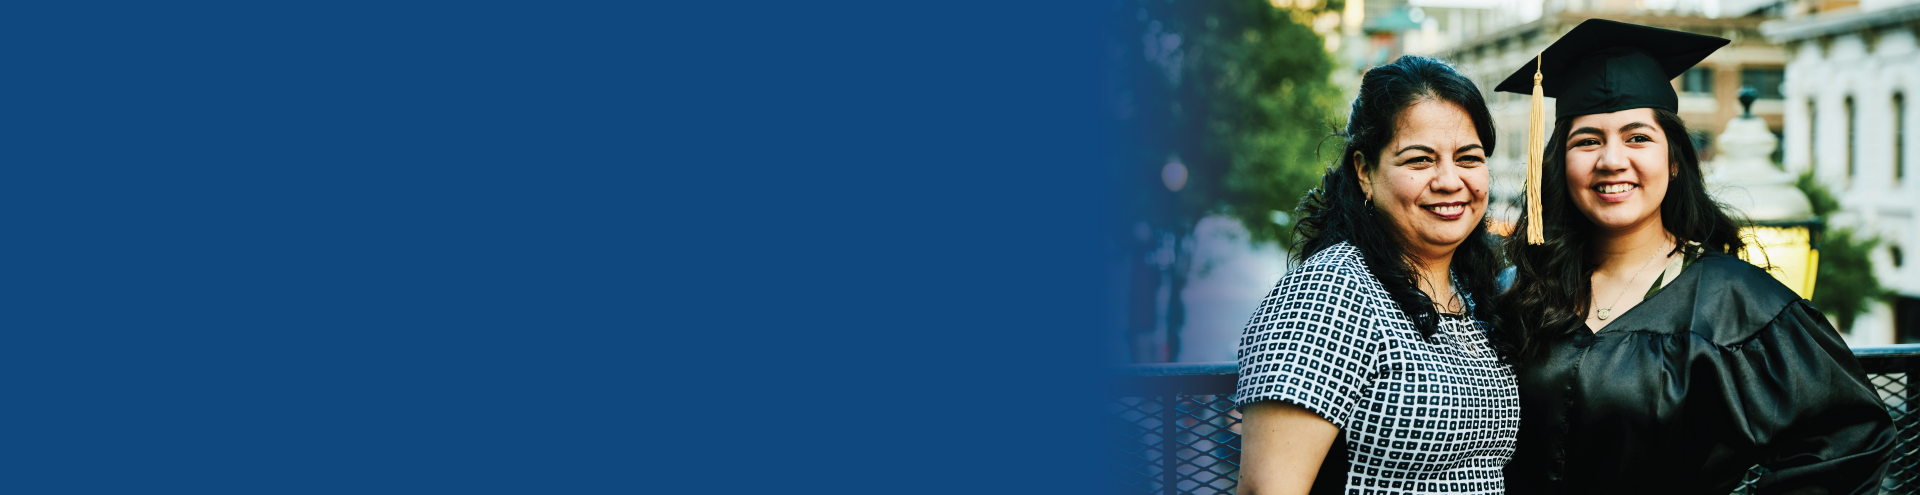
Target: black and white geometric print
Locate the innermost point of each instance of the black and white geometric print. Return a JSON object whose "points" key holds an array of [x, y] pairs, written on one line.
{"points": [[1419, 415]]}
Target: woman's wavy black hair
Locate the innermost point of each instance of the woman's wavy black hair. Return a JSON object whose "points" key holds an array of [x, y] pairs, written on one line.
{"points": [[1550, 295], [1338, 212]]}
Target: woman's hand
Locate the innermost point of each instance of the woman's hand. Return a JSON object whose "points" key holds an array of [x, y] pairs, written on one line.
{"points": [[1281, 447]]}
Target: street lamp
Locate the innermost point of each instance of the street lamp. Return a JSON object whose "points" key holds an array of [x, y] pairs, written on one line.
{"points": [[1785, 235], [1174, 175]]}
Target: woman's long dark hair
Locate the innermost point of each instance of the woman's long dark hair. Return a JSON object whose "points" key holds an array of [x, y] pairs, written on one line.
{"points": [[1550, 294], [1338, 210]]}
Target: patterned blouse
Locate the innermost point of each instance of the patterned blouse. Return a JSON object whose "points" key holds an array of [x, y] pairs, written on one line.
{"points": [[1416, 415]]}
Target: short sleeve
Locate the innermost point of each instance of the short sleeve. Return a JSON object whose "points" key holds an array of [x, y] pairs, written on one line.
{"points": [[1311, 343], [1806, 404]]}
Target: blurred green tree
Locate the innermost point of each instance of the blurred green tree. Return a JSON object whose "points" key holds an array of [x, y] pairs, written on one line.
{"points": [[1223, 105], [1844, 286]]}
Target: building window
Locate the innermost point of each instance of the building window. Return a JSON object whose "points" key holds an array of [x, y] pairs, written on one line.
{"points": [[1849, 116], [1906, 319], [1813, 137], [1698, 80], [1769, 82], [1899, 138]]}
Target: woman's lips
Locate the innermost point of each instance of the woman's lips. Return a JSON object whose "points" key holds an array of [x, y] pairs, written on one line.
{"points": [[1615, 192], [1447, 211]]}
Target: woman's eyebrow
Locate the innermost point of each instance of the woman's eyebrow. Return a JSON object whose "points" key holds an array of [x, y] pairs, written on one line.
{"points": [[1586, 130], [1635, 125], [1420, 147], [1470, 147]]}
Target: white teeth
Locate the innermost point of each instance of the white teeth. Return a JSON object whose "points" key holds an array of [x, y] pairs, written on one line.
{"points": [[1447, 209], [1614, 188]]}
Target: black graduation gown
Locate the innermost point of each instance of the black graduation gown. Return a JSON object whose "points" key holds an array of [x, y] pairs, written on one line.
{"points": [[1723, 368]]}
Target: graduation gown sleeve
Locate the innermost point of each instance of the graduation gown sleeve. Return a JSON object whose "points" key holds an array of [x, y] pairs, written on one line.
{"points": [[1804, 402]]}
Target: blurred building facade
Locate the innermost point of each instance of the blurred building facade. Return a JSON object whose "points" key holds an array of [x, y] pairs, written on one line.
{"points": [[1852, 66], [1391, 28]]}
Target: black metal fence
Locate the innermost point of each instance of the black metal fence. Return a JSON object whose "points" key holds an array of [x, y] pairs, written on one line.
{"points": [[1178, 431]]}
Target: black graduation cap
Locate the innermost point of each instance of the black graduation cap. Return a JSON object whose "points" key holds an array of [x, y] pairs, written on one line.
{"points": [[1606, 66], [1602, 66]]}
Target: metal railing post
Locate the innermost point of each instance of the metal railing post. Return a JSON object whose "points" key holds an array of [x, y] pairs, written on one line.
{"points": [[1168, 446]]}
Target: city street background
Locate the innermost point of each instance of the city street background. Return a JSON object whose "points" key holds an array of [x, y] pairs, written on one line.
{"points": [[1226, 108]]}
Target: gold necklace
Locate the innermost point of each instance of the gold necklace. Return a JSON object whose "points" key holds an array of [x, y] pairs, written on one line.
{"points": [[1604, 312]]}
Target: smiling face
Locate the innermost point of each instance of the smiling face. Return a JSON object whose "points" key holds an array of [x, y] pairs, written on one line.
{"points": [[1431, 183], [1618, 169]]}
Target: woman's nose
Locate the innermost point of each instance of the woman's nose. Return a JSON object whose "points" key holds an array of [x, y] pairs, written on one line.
{"points": [[1449, 179], [1611, 158]]}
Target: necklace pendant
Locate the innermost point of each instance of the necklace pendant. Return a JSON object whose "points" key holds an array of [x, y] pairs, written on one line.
{"points": [[1603, 313]]}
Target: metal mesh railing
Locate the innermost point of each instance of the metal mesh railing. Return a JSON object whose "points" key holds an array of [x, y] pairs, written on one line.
{"points": [[1177, 430], [1888, 368], [1201, 431], [1904, 469]]}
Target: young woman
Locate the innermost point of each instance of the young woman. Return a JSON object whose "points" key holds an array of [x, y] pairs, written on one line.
{"points": [[1368, 368], [1650, 361]]}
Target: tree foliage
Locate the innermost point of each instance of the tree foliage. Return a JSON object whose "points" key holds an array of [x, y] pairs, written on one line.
{"points": [[1238, 94], [1821, 199], [1236, 91], [1844, 286]]}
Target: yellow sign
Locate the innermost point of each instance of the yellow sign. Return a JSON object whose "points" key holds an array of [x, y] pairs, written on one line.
{"points": [[1787, 253]]}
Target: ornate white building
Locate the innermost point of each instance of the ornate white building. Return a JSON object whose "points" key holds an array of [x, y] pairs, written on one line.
{"points": [[1852, 69]]}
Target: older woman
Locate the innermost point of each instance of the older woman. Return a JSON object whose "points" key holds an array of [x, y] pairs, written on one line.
{"points": [[1650, 360], [1368, 366]]}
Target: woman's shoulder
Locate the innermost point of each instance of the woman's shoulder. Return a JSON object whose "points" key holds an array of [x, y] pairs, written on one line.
{"points": [[1741, 279], [1340, 261], [1335, 258], [1726, 299]]}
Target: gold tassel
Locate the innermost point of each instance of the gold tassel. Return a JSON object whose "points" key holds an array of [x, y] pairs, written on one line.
{"points": [[1536, 137]]}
